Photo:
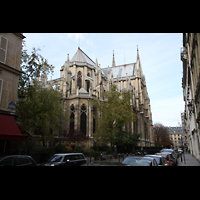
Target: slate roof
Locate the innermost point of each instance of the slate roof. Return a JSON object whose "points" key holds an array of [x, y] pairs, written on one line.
{"points": [[81, 58], [121, 70]]}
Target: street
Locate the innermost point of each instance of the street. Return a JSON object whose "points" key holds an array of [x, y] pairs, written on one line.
{"points": [[189, 159]]}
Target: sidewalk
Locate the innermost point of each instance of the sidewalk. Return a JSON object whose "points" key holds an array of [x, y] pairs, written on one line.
{"points": [[189, 159]]}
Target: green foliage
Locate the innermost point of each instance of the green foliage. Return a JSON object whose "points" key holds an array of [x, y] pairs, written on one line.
{"points": [[114, 114], [31, 67], [41, 110]]}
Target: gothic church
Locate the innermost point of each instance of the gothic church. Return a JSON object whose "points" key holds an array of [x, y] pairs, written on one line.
{"points": [[81, 80]]}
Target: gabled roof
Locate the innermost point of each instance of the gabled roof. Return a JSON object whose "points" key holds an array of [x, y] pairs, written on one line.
{"points": [[81, 57], [82, 90]]}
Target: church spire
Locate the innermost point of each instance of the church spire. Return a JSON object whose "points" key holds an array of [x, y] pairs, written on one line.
{"points": [[67, 57], [113, 62], [139, 67]]}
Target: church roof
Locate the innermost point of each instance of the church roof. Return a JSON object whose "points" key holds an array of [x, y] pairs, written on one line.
{"points": [[121, 70], [82, 58], [82, 90]]}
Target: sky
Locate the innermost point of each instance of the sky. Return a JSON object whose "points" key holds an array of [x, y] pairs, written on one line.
{"points": [[159, 56]]}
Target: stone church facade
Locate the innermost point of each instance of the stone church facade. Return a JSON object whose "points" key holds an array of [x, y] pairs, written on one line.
{"points": [[81, 80]]}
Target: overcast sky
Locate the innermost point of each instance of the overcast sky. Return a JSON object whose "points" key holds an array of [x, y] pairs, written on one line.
{"points": [[159, 56]]}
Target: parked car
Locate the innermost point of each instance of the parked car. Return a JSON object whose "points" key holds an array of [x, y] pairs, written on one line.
{"points": [[140, 161], [173, 157], [65, 159], [17, 160], [174, 153], [103, 163], [168, 157], [161, 161]]}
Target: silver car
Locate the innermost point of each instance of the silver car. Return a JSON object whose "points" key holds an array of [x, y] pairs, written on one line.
{"points": [[140, 161], [159, 159]]}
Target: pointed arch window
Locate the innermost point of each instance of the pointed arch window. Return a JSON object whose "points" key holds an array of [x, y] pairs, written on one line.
{"points": [[79, 80], [88, 85], [72, 116], [83, 119]]}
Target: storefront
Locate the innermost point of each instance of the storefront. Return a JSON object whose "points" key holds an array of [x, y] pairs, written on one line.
{"points": [[8, 131]]}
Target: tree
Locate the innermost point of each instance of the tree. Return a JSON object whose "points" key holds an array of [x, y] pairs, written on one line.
{"points": [[161, 135], [41, 110], [31, 67], [113, 115]]}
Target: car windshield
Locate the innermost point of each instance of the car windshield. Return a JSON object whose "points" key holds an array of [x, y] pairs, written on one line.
{"points": [[55, 158], [137, 162]]}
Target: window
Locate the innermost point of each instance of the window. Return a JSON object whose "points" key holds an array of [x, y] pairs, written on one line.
{"points": [[7, 161], [21, 161], [1, 88], [72, 121], [71, 157], [81, 157], [76, 157], [79, 80], [72, 107], [3, 49], [88, 85], [83, 119], [66, 158]]}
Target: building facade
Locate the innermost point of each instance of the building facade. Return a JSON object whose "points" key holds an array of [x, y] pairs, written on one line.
{"points": [[190, 56], [10, 58], [81, 80], [176, 136]]}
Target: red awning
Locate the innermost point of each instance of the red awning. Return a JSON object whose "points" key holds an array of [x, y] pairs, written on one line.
{"points": [[8, 128]]}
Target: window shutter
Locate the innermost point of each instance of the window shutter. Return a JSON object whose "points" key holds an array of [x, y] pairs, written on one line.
{"points": [[1, 88], [3, 49]]}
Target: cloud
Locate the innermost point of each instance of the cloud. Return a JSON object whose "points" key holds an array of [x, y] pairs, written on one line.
{"points": [[76, 35]]}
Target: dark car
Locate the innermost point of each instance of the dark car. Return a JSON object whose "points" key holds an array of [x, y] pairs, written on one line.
{"points": [[65, 159], [17, 160], [140, 161]]}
